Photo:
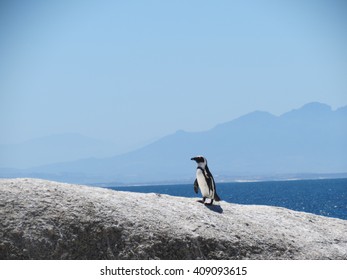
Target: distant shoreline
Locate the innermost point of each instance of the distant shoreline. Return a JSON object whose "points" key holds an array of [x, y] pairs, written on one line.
{"points": [[120, 185]]}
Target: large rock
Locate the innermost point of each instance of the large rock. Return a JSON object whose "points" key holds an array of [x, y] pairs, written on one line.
{"points": [[48, 220]]}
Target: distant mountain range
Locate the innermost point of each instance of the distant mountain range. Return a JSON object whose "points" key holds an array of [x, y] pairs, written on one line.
{"points": [[53, 149], [309, 140]]}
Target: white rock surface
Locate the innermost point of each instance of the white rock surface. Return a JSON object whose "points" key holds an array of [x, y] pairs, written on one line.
{"points": [[48, 220]]}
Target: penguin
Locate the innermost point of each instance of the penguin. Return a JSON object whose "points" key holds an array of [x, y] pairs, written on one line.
{"points": [[204, 181]]}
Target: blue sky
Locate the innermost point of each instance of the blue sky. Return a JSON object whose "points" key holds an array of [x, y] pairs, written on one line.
{"points": [[132, 71]]}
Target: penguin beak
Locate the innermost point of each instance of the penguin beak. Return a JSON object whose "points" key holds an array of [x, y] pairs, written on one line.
{"points": [[193, 158]]}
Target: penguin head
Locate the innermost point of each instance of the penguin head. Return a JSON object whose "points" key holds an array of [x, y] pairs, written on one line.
{"points": [[200, 160]]}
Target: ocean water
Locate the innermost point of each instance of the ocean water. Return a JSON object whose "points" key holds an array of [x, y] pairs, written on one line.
{"points": [[326, 197]]}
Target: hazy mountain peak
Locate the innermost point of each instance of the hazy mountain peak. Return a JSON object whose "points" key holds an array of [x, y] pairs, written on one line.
{"points": [[316, 106], [256, 115], [180, 131], [253, 117], [310, 109]]}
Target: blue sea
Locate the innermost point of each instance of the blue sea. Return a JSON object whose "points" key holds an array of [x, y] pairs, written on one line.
{"points": [[326, 197]]}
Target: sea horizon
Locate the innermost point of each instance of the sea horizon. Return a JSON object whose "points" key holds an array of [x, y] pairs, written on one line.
{"points": [[325, 197], [250, 180]]}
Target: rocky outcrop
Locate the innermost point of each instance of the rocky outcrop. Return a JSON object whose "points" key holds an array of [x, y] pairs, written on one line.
{"points": [[48, 220]]}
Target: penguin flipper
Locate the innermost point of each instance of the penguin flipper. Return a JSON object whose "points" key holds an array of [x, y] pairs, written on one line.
{"points": [[196, 186]]}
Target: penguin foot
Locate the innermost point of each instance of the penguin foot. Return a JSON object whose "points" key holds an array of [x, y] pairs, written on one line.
{"points": [[209, 204], [202, 200]]}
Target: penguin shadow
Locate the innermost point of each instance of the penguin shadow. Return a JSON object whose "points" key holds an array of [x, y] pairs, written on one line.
{"points": [[214, 208]]}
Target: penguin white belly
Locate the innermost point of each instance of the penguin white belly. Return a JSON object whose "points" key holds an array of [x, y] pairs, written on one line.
{"points": [[203, 184]]}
